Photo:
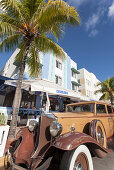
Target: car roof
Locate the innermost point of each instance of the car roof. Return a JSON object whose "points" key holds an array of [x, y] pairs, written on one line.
{"points": [[89, 102]]}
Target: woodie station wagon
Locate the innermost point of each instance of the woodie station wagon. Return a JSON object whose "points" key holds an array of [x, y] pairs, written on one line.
{"points": [[64, 141]]}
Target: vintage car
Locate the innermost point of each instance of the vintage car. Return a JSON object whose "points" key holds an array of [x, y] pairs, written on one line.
{"points": [[64, 141]]}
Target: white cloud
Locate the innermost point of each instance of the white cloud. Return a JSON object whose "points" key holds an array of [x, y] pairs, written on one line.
{"points": [[92, 21], [93, 33], [111, 11]]}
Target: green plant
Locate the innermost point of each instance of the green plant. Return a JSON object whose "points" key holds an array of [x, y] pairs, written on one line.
{"points": [[2, 119]]}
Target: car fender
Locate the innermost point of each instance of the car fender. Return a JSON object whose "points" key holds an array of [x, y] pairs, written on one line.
{"points": [[22, 153], [72, 140]]}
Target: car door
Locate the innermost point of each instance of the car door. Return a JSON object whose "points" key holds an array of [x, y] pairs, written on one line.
{"points": [[110, 119], [102, 115]]}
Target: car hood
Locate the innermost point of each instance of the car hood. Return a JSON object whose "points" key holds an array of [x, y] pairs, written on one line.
{"points": [[74, 114]]}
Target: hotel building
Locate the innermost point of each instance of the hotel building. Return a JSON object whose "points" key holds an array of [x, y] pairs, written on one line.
{"points": [[59, 73]]}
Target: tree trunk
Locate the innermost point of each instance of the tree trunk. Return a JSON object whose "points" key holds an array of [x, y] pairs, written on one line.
{"points": [[111, 98], [17, 98]]}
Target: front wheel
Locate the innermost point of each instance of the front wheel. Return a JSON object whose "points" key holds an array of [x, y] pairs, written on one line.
{"points": [[78, 159]]}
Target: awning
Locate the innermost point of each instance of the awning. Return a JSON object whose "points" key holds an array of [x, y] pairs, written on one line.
{"points": [[5, 78], [75, 83], [75, 71], [49, 87]]}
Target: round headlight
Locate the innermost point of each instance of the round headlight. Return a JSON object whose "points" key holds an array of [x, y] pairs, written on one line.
{"points": [[55, 128], [32, 125]]}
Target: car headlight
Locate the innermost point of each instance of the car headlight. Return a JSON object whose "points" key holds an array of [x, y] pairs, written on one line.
{"points": [[55, 128], [32, 125]]}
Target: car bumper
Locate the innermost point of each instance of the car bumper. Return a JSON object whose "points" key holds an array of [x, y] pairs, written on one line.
{"points": [[9, 164]]}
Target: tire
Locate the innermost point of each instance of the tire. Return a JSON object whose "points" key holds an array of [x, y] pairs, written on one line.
{"points": [[7, 165], [98, 132], [77, 159]]}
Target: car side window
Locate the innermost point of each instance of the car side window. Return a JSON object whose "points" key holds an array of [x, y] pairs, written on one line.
{"points": [[100, 108], [109, 109]]}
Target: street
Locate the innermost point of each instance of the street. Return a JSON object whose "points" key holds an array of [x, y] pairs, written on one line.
{"points": [[106, 163]]}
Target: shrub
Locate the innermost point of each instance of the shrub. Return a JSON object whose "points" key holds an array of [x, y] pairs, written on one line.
{"points": [[2, 119]]}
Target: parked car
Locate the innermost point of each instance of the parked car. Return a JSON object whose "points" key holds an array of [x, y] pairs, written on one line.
{"points": [[64, 141]]}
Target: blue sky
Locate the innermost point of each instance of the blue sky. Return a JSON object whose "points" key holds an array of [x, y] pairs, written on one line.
{"points": [[91, 44]]}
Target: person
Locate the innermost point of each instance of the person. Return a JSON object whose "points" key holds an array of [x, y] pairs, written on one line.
{"points": [[33, 107], [50, 110], [26, 106]]}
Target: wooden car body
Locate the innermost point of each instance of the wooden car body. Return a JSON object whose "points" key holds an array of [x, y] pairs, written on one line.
{"points": [[81, 120], [91, 125]]}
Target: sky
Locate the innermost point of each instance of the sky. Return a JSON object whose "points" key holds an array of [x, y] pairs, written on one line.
{"points": [[90, 45]]}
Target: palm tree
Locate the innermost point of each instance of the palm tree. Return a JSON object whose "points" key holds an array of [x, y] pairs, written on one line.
{"points": [[28, 25], [107, 89]]}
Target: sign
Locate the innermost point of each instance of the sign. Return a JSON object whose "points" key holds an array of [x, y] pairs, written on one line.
{"points": [[61, 92]]}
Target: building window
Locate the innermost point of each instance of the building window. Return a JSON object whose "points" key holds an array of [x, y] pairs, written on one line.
{"points": [[88, 93], [74, 87], [58, 80], [73, 74], [58, 65], [79, 81], [88, 82]]}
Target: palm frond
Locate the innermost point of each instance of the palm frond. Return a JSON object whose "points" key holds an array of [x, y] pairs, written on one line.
{"points": [[13, 7], [45, 44], [19, 56], [30, 7], [105, 96], [33, 62], [98, 91], [8, 25], [8, 19], [55, 13], [10, 42]]}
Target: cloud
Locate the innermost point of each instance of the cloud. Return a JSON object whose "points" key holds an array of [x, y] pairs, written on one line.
{"points": [[92, 21], [93, 33], [111, 11]]}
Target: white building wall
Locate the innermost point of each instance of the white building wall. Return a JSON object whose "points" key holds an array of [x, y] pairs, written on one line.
{"points": [[9, 68], [89, 84]]}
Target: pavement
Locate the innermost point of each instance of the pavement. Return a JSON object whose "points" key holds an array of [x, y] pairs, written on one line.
{"points": [[106, 163]]}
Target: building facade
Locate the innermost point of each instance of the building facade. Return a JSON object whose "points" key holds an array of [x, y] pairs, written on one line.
{"points": [[88, 82], [61, 71], [70, 84]]}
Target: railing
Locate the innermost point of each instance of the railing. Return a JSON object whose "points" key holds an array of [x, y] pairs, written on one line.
{"points": [[23, 113]]}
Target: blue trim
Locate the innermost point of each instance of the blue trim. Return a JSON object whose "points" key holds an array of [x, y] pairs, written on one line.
{"points": [[5, 78], [68, 73], [45, 68]]}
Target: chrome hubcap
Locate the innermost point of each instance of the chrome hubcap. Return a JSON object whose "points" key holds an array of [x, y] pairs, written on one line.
{"points": [[79, 166], [99, 135]]}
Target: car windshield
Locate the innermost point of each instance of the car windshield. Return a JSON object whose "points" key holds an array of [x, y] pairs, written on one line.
{"points": [[81, 108]]}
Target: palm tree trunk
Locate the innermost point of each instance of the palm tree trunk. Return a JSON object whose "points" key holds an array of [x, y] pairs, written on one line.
{"points": [[17, 98], [111, 98]]}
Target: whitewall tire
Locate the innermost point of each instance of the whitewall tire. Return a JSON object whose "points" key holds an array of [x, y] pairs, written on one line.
{"points": [[78, 159]]}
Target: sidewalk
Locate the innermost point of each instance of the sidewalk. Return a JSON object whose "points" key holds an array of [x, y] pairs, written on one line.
{"points": [[2, 163]]}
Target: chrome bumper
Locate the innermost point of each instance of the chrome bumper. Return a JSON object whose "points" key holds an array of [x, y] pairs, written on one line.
{"points": [[8, 163]]}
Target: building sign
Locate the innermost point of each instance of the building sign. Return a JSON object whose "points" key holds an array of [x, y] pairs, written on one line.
{"points": [[61, 92]]}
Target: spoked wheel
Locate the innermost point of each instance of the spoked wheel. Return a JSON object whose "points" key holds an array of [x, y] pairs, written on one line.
{"points": [[98, 132], [78, 159], [100, 136], [81, 162]]}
